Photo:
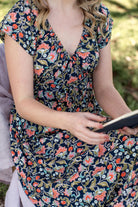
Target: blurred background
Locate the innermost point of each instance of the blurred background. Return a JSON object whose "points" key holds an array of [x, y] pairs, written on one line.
{"points": [[124, 51]]}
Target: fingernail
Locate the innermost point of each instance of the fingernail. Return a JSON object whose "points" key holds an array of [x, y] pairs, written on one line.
{"points": [[101, 126]]}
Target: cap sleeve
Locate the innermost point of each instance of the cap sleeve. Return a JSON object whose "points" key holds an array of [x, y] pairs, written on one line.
{"points": [[104, 38], [19, 24]]}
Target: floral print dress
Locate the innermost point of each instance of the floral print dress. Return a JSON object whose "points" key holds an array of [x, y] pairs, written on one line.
{"points": [[55, 168]]}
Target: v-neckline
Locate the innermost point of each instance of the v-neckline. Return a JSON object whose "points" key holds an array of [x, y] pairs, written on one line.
{"points": [[59, 41]]}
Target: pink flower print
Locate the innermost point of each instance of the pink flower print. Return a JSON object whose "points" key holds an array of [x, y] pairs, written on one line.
{"points": [[46, 200], [13, 16], [35, 12], [57, 73], [85, 65], [40, 94], [67, 192], [30, 132], [88, 160], [124, 138], [19, 153], [42, 151], [71, 155], [111, 176], [60, 170], [97, 54], [25, 125], [74, 177], [120, 191], [59, 135], [129, 142], [43, 46], [81, 168], [100, 39], [119, 205], [136, 182], [133, 175], [55, 193], [83, 54], [70, 64], [54, 105], [7, 29], [27, 2], [56, 203], [72, 79], [98, 169], [102, 150], [87, 197], [42, 140], [27, 11], [34, 201], [118, 169], [79, 150], [15, 159], [35, 184], [101, 196], [14, 36], [11, 118], [61, 150], [107, 27], [133, 194], [104, 11], [49, 95], [112, 146], [90, 105], [38, 71], [22, 174], [52, 56], [89, 85]]}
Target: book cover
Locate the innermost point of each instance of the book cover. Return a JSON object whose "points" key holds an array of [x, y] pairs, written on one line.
{"points": [[126, 120]]}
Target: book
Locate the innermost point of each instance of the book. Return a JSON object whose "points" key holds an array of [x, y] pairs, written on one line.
{"points": [[127, 120]]}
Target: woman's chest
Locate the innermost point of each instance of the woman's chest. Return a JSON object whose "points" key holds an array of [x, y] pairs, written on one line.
{"points": [[51, 53]]}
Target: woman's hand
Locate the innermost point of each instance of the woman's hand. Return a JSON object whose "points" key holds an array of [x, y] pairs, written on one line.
{"points": [[129, 131], [78, 122]]}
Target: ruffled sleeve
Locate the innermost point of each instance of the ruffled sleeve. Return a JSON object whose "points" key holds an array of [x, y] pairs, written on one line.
{"points": [[19, 24], [107, 29]]}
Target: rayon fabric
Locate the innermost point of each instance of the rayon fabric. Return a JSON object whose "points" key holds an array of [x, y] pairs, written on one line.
{"points": [[54, 167]]}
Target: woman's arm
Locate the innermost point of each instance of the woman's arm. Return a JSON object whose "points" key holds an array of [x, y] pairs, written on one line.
{"points": [[20, 70], [106, 94]]}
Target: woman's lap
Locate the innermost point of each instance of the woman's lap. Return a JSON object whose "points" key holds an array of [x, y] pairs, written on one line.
{"points": [[104, 175]]}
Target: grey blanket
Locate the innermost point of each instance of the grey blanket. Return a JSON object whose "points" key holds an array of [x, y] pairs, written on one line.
{"points": [[6, 102]]}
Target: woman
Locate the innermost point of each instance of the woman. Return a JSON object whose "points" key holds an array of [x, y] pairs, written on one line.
{"points": [[58, 58]]}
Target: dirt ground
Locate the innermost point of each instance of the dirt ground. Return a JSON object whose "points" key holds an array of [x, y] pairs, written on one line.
{"points": [[1, 204], [5, 177]]}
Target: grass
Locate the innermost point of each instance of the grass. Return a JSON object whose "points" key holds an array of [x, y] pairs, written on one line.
{"points": [[124, 50], [3, 189]]}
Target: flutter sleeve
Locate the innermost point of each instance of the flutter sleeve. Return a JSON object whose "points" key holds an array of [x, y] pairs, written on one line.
{"points": [[104, 37], [19, 24]]}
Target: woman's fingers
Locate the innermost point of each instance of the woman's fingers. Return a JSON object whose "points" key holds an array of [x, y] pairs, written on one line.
{"points": [[93, 124], [93, 120], [79, 123], [93, 141], [129, 131], [94, 117], [92, 137]]}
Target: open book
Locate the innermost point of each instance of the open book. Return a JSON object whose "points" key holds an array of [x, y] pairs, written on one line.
{"points": [[129, 120]]}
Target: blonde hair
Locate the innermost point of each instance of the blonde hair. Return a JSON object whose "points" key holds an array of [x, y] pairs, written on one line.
{"points": [[89, 8]]}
